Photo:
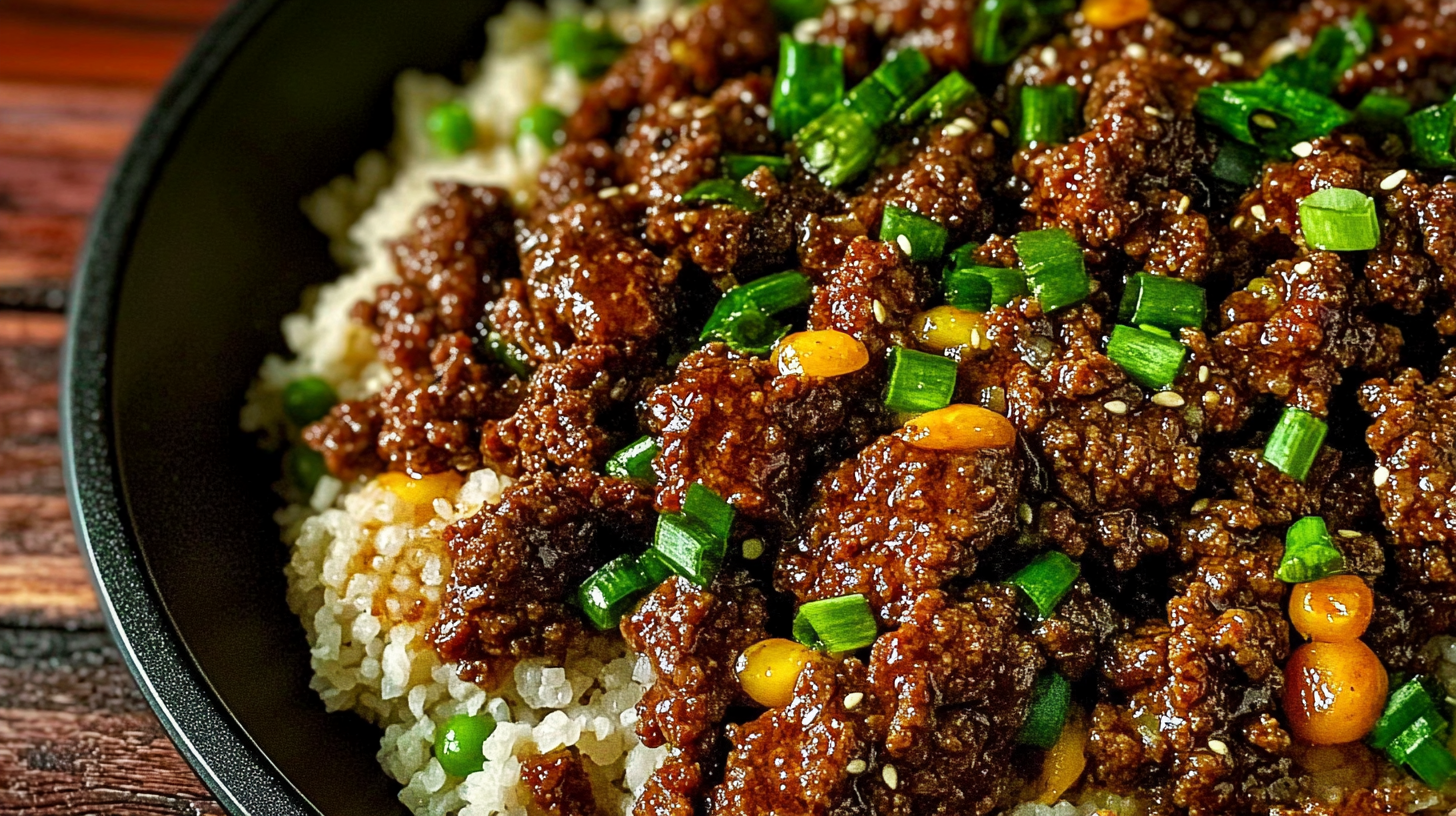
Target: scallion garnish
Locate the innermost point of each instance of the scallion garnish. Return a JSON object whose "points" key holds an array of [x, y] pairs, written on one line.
{"points": [[708, 509], [723, 191], [589, 50], [1046, 580], [1046, 715], [509, 355], [841, 144], [1055, 268], [1237, 164], [1384, 108], [964, 256], [1150, 360], [810, 82], [919, 382], [739, 167], [964, 289], [1270, 115], [743, 318], [1406, 704], [1295, 443], [654, 567], [1167, 303], [611, 591], [635, 461], [1335, 49], [920, 237], [695, 541], [451, 129], [947, 97], [1421, 747], [545, 124], [1339, 220], [1431, 134], [1049, 114], [1309, 552], [1005, 285], [1001, 29], [840, 624]]}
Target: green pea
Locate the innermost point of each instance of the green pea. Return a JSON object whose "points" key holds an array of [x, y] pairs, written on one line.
{"points": [[451, 128], [305, 466], [460, 743], [546, 124], [308, 400]]}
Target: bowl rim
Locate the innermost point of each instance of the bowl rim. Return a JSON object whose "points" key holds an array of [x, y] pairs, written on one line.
{"points": [[225, 758]]}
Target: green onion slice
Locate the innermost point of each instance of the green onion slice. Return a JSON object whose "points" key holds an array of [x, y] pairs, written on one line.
{"points": [[1237, 164], [964, 256], [1001, 29], [948, 97], [841, 624], [919, 382], [964, 289], [451, 129], [1046, 580], [1164, 302], [1339, 220], [1271, 115], [1431, 133], [689, 548], [1428, 726], [1406, 704], [708, 509], [589, 50], [611, 591], [1049, 114], [739, 167], [723, 191], [1150, 360], [1309, 552], [920, 237], [1432, 761], [1051, 698], [1385, 109], [1334, 51], [654, 567], [1295, 443], [810, 82], [1005, 285], [1055, 268], [635, 461], [842, 143], [743, 318]]}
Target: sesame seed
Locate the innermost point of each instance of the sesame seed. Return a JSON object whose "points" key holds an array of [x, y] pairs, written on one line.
{"points": [[1348, 534], [1183, 204], [1156, 113], [810, 713], [808, 29], [1002, 129], [881, 314], [1238, 221], [1169, 399], [1302, 150], [753, 549], [609, 192], [1211, 399], [1303, 268], [1218, 747], [1116, 407], [1201, 505], [904, 242], [679, 109], [704, 112], [1203, 374], [632, 189], [857, 766], [1232, 57], [953, 130], [891, 776], [1048, 56], [1265, 121], [1382, 475], [1025, 513], [964, 123], [1136, 51], [1393, 180], [975, 338], [852, 700], [1258, 212]]}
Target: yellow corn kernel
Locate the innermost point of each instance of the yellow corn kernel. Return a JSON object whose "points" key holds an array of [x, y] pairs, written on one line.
{"points": [[768, 669], [820, 354], [1065, 761], [946, 327], [422, 492], [960, 428], [1110, 14]]}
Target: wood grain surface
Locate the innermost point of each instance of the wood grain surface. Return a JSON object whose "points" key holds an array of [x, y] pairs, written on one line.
{"points": [[76, 76]]}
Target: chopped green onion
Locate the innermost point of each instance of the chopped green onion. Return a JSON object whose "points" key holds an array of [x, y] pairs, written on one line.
{"points": [[1334, 51], [708, 509], [739, 167], [689, 548], [1046, 580], [1046, 715], [1055, 268], [1309, 552], [588, 50], [920, 237], [964, 256], [964, 289], [947, 97], [611, 591], [1339, 220], [793, 12], [1048, 114], [1167, 303], [751, 332], [460, 743], [1428, 726], [840, 624], [1295, 443], [654, 567], [635, 460], [1150, 360], [1005, 285], [509, 355], [1407, 704], [810, 82], [451, 129], [904, 74], [307, 400], [1237, 164], [723, 191], [1269, 114], [742, 318], [842, 143], [1001, 29], [1432, 761], [305, 467], [919, 382], [1431, 132], [545, 124], [1383, 109]]}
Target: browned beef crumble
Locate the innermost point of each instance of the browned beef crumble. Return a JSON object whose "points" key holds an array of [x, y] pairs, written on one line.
{"points": [[1174, 635]]}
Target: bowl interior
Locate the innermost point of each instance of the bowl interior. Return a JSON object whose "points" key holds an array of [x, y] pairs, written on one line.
{"points": [[219, 253]]}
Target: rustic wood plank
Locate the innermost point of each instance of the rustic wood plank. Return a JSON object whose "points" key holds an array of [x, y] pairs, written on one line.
{"points": [[64, 48], [184, 15], [30, 453], [81, 121], [75, 671]]}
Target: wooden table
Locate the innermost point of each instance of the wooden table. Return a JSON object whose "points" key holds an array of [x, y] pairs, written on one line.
{"points": [[76, 76]]}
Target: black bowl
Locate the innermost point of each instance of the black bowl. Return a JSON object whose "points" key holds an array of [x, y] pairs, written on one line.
{"points": [[198, 250]]}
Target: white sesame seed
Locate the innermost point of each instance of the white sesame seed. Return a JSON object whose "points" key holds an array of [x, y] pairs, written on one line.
{"points": [[1303, 268], [1183, 204], [1218, 747], [1393, 180], [1203, 374], [1382, 475], [1232, 57], [975, 338], [1048, 56], [964, 123], [1157, 113], [952, 130], [1258, 212], [632, 189], [1025, 513], [1348, 534], [753, 549], [808, 29], [881, 314], [1116, 407], [857, 766], [679, 109], [1238, 221], [1201, 505], [891, 776], [852, 700], [810, 712], [1265, 121], [609, 192], [1136, 51], [904, 242], [1002, 129], [1211, 399], [704, 112], [1169, 399], [1302, 150]]}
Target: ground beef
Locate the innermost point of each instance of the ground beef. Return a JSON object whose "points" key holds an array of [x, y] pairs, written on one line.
{"points": [[899, 521], [872, 294], [516, 566], [558, 784], [1415, 55]]}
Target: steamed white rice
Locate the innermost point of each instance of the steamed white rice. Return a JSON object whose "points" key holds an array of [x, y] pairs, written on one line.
{"points": [[368, 570]]}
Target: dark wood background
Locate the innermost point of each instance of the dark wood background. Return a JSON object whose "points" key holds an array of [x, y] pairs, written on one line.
{"points": [[76, 76]]}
